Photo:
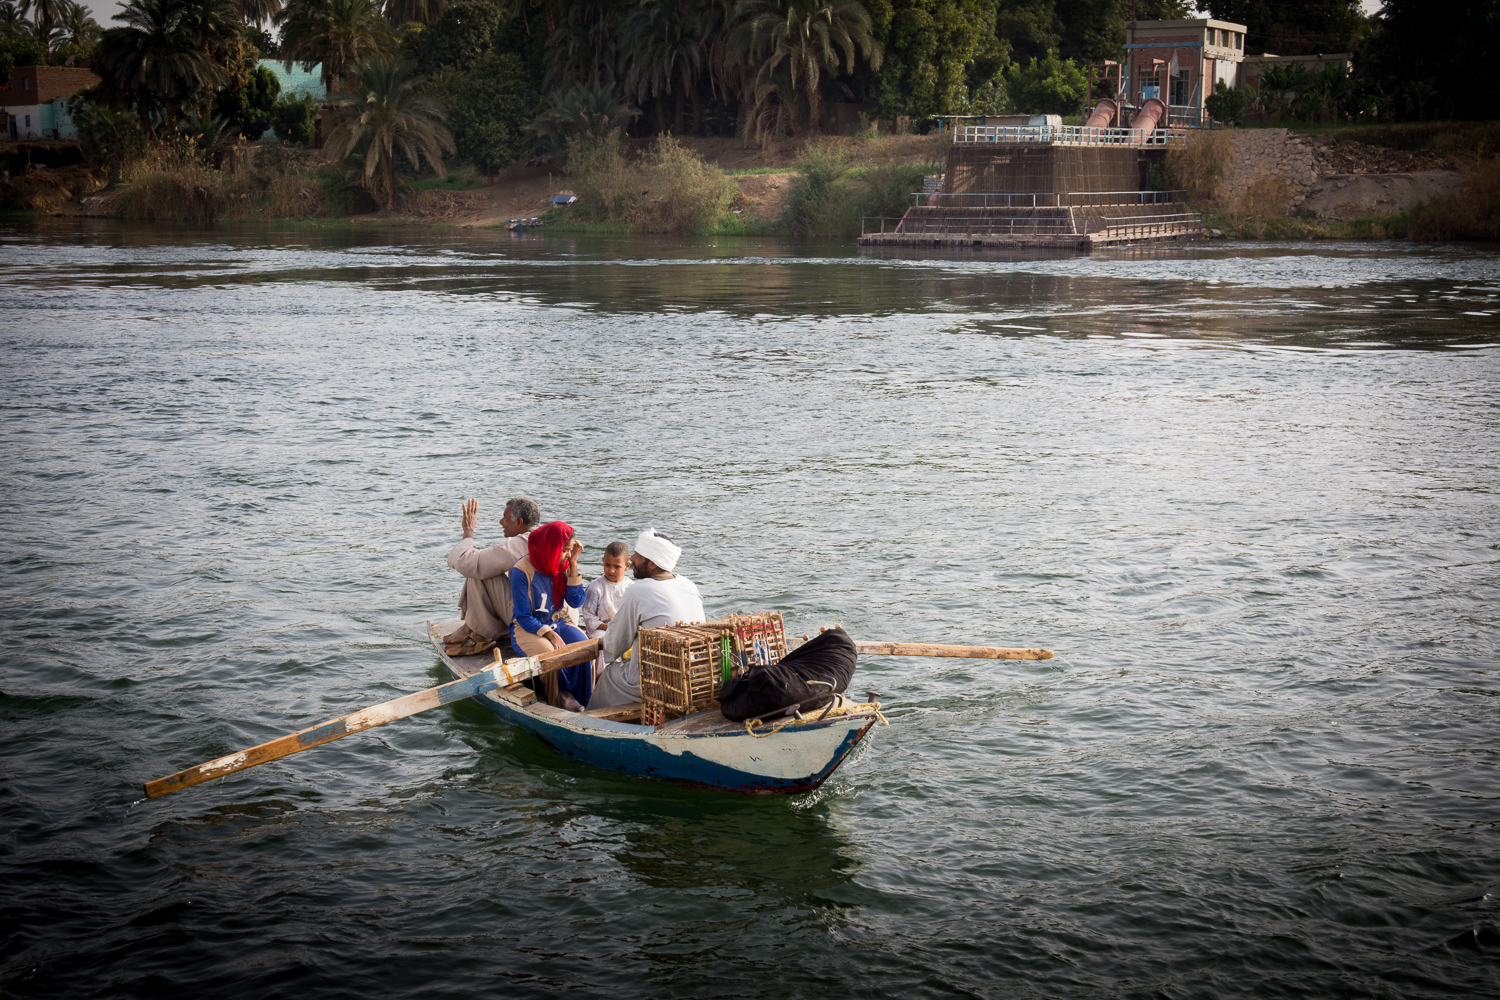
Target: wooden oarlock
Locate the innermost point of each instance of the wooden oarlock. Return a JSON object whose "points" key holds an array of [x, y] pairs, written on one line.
{"points": [[970, 652], [498, 675]]}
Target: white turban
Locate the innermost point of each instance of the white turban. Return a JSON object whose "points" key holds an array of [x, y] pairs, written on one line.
{"points": [[659, 550]]}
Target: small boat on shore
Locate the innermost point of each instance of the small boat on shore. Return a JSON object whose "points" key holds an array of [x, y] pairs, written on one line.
{"points": [[705, 749]]}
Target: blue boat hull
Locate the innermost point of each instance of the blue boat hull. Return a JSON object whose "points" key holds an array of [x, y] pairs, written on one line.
{"points": [[703, 749]]}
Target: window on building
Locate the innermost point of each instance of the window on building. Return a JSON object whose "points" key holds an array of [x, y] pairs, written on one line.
{"points": [[28, 121], [1239, 40], [1180, 87], [1150, 85]]}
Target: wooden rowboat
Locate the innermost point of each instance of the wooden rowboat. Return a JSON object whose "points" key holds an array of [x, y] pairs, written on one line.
{"points": [[704, 749]]}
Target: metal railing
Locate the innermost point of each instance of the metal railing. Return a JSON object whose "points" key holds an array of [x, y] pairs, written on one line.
{"points": [[988, 225], [1186, 115], [1130, 227], [1076, 135], [865, 227], [1055, 199]]}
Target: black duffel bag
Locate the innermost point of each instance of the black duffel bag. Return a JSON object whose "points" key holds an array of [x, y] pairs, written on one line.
{"points": [[806, 678]]}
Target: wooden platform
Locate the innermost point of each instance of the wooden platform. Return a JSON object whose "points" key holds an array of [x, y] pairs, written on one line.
{"points": [[1064, 241]]}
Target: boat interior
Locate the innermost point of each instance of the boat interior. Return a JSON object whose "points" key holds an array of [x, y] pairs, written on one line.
{"points": [[522, 696]]}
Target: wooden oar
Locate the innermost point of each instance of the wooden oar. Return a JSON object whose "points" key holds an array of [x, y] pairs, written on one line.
{"points": [[972, 652], [499, 675]]}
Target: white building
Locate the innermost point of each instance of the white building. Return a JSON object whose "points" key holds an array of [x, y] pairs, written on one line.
{"points": [[33, 101]]}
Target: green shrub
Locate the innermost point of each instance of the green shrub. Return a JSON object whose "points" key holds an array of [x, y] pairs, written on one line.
{"points": [[1226, 103], [817, 205], [828, 198], [671, 190], [1049, 86], [251, 109], [488, 110], [111, 138], [295, 120]]}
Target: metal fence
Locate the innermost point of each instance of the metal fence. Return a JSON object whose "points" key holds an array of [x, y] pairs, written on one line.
{"points": [[1186, 115], [1062, 199], [987, 225], [1130, 227], [868, 223], [1076, 135]]}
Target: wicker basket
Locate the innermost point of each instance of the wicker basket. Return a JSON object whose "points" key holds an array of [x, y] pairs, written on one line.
{"points": [[683, 667]]}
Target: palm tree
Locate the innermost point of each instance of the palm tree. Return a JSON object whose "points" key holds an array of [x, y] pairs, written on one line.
{"points": [[582, 49], [666, 43], [162, 57], [337, 33], [11, 22], [78, 25], [48, 14], [582, 110], [799, 41], [258, 12], [385, 119], [400, 12]]}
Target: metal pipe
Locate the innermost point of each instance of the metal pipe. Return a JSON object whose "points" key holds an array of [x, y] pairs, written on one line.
{"points": [[1151, 112], [1104, 113]]}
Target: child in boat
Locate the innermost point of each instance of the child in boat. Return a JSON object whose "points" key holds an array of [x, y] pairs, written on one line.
{"points": [[602, 599]]}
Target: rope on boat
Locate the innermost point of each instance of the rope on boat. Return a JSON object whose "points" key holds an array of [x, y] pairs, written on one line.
{"points": [[872, 706]]}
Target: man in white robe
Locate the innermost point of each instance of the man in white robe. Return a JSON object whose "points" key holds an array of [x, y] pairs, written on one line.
{"points": [[485, 601], [656, 598]]}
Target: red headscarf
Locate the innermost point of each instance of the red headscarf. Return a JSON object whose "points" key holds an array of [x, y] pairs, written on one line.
{"points": [[546, 547]]}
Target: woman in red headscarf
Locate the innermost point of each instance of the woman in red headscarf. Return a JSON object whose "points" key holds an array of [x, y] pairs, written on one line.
{"points": [[543, 586]]}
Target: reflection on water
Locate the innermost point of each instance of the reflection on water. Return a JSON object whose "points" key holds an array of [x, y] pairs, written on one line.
{"points": [[1221, 293], [1247, 492]]}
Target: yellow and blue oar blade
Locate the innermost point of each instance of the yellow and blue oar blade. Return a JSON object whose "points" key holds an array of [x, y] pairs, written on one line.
{"points": [[496, 676]]}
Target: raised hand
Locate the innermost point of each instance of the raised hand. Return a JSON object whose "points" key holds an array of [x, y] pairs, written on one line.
{"points": [[471, 516]]}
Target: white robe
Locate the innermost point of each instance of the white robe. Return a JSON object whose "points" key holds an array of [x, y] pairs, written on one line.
{"points": [[647, 604], [601, 602]]}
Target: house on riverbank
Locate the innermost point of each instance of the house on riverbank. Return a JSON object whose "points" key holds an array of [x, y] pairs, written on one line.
{"points": [[33, 101]]}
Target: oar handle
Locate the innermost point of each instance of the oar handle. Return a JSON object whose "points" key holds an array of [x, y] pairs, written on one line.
{"points": [[970, 652], [488, 679]]}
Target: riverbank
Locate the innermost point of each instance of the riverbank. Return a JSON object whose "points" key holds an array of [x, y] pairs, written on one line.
{"points": [[1426, 181]]}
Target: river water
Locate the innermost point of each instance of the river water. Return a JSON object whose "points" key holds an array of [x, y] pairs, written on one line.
{"points": [[1248, 493]]}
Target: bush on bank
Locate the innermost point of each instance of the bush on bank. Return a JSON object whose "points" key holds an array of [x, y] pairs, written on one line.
{"points": [[669, 190], [831, 198]]}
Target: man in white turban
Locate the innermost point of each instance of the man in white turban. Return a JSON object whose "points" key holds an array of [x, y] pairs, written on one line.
{"points": [[657, 598]]}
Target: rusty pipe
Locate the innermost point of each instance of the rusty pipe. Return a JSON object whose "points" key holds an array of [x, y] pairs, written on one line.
{"points": [[1151, 113], [1103, 115]]}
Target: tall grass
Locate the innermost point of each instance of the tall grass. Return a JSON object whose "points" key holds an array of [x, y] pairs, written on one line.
{"points": [[1471, 214], [168, 185], [1199, 166], [178, 192], [282, 184]]}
